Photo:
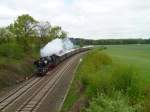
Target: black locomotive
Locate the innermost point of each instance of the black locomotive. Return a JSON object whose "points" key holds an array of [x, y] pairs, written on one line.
{"points": [[45, 64]]}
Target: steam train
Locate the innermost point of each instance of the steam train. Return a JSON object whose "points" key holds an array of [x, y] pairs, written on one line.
{"points": [[45, 64]]}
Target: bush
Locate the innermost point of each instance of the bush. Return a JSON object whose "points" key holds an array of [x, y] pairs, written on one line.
{"points": [[93, 62], [126, 79], [11, 50], [115, 103], [92, 69]]}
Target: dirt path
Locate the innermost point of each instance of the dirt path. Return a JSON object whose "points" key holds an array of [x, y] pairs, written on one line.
{"points": [[42, 94]]}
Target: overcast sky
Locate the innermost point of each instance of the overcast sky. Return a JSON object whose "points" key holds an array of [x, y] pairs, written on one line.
{"points": [[94, 19]]}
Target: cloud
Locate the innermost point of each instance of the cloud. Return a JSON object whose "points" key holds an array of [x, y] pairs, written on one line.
{"points": [[85, 18]]}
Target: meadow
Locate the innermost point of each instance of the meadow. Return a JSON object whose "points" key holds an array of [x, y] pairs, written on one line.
{"points": [[115, 79], [134, 55]]}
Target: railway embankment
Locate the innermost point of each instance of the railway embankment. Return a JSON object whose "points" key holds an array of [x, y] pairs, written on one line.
{"points": [[15, 67], [102, 85]]}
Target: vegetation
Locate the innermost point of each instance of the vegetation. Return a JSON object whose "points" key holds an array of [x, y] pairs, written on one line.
{"points": [[116, 79], [81, 42], [103, 83], [115, 103], [20, 43], [134, 55]]}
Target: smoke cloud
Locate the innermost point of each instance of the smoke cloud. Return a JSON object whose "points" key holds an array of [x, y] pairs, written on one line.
{"points": [[57, 46]]}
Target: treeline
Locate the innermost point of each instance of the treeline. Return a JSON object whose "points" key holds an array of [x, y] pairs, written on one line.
{"points": [[27, 35], [82, 42]]}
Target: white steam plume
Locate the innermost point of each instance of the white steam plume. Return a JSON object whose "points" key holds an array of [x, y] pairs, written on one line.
{"points": [[67, 44], [57, 46]]}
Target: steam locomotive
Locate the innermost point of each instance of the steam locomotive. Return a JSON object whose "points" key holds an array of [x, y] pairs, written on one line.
{"points": [[45, 64]]}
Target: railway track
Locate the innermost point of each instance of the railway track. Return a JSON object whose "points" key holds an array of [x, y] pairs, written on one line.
{"points": [[29, 96], [17, 94], [14, 95]]}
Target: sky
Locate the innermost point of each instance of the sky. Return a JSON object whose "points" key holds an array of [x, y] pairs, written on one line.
{"points": [[90, 19]]}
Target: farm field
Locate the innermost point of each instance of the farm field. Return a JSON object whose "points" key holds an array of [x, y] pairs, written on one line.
{"points": [[133, 55], [113, 79]]}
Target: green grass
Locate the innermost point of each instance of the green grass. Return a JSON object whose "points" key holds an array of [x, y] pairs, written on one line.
{"points": [[134, 55], [110, 72]]}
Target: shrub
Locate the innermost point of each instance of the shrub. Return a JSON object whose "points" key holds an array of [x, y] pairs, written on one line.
{"points": [[11, 50], [93, 62], [115, 103], [126, 79], [93, 72]]}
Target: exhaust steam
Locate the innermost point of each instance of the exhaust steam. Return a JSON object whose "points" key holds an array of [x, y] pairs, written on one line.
{"points": [[57, 47]]}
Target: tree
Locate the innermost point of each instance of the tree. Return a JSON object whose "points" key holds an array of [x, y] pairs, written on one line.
{"points": [[6, 35], [23, 26], [57, 32], [42, 29], [63, 34]]}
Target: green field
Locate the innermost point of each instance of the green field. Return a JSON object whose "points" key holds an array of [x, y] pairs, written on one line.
{"points": [[134, 55], [114, 79]]}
